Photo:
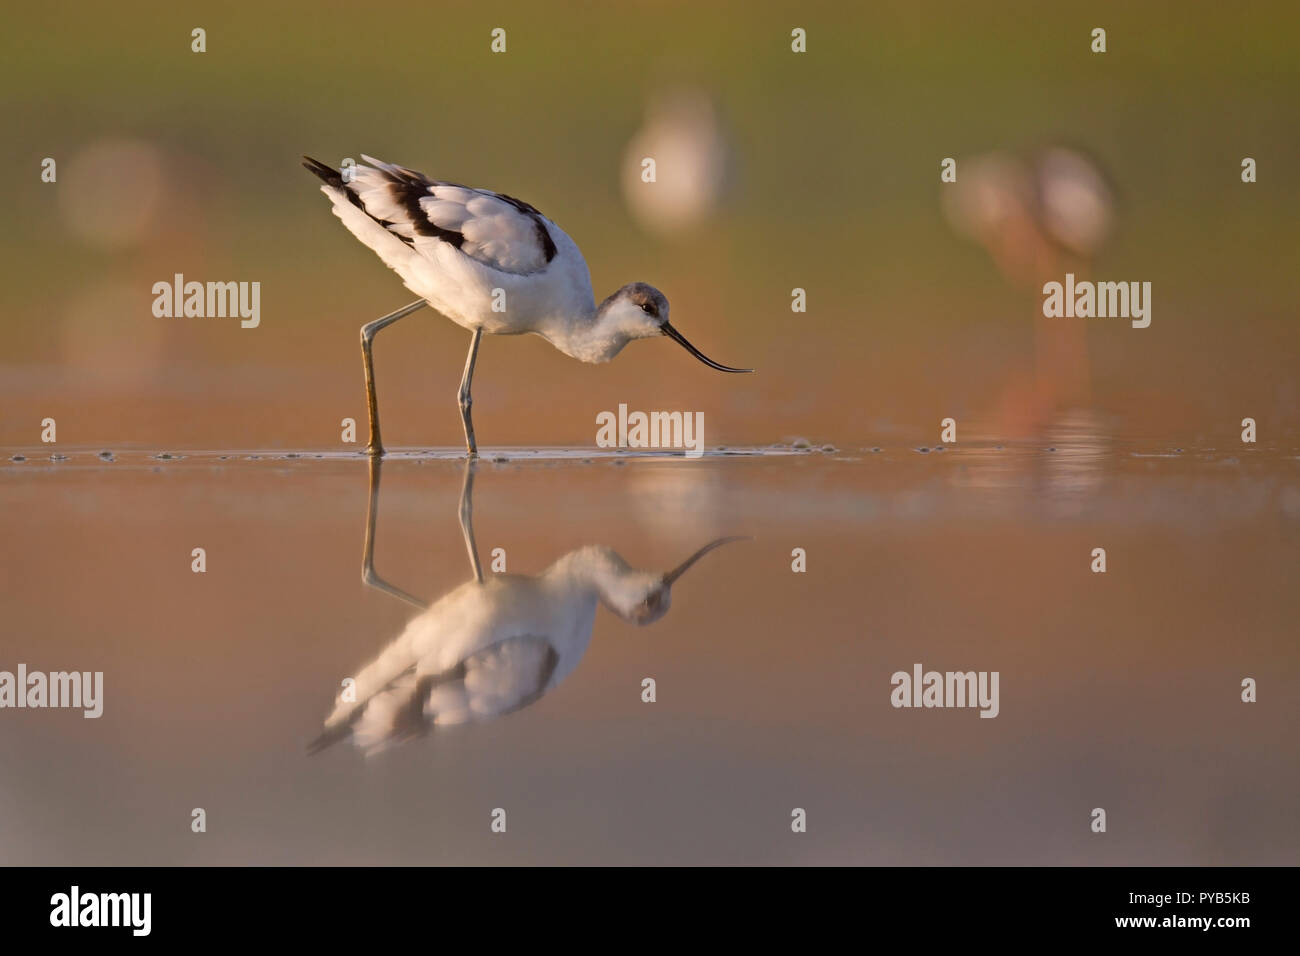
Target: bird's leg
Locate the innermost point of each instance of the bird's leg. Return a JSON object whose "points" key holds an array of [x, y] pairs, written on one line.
{"points": [[464, 397], [467, 519], [368, 575], [368, 333]]}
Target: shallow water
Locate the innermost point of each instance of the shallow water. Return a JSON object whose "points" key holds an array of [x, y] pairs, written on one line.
{"points": [[1118, 690]]}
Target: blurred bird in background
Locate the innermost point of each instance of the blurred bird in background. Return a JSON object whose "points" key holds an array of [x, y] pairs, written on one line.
{"points": [[684, 135], [1039, 215]]}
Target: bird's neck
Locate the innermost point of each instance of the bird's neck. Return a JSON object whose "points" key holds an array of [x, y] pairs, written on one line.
{"points": [[592, 336], [596, 570]]}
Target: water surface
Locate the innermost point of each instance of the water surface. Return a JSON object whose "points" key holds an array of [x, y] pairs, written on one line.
{"points": [[1118, 690]]}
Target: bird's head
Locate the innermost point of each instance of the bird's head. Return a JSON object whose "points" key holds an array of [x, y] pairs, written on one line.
{"points": [[640, 311], [643, 597]]}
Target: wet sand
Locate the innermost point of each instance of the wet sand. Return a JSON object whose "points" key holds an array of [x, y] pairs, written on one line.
{"points": [[1118, 690]]}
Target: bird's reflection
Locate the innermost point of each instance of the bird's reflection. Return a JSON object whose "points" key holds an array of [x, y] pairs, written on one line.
{"points": [[492, 645]]}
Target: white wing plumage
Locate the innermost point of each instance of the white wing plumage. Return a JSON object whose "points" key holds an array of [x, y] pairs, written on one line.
{"points": [[497, 230], [504, 677]]}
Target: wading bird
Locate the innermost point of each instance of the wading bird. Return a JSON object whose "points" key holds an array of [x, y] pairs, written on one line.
{"points": [[490, 646], [1040, 214], [490, 263]]}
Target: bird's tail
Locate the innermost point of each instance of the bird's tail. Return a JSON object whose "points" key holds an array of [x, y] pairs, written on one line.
{"points": [[350, 208], [332, 735], [328, 174]]}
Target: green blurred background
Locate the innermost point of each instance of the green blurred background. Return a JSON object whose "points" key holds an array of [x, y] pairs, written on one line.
{"points": [[834, 188], [1120, 689]]}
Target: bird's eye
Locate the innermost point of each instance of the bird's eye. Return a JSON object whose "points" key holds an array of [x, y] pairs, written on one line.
{"points": [[647, 308]]}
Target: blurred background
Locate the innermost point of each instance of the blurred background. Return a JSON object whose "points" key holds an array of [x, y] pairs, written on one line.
{"points": [[776, 170]]}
